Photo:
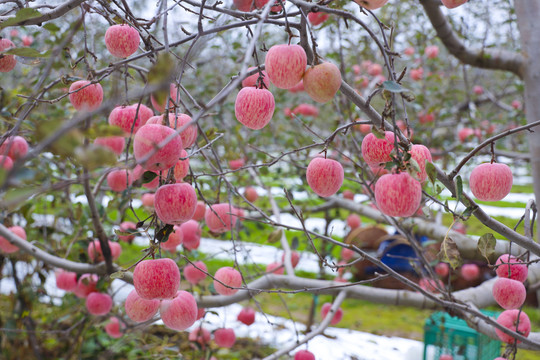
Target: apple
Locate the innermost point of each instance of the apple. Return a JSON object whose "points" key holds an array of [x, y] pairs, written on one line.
{"points": [[148, 200], [7, 62], [113, 328], [128, 117], [192, 273], [85, 96], [465, 133], [226, 280], [179, 313], [450, 4], [516, 104], [251, 81], [431, 51], [200, 210], [6, 162], [192, 234], [508, 293], [422, 155], [304, 354], [321, 82], [173, 91], [27, 40], [246, 316], [317, 18], [275, 268], [409, 51], [511, 267], [375, 69], [337, 316], [324, 176], [236, 163], [295, 258], [426, 117], [175, 203], [147, 141], [259, 4], [446, 357], [371, 5], [398, 194], [354, 221], [221, 218], [491, 182], [122, 40], [509, 319], [297, 88], [125, 227], [66, 280], [96, 254], [200, 335], [200, 313], [119, 180], [470, 272], [156, 279], [431, 285], [224, 337], [7, 247], [174, 240], [254, 107], [98, 303], [417, 74], [376, 151], [188, 135], [86, 285], [442, 269], [251, 194], [115, 143], [139, 309], [244, 5], [306, 110], [285, 65], [347, 254], [478, 90]]}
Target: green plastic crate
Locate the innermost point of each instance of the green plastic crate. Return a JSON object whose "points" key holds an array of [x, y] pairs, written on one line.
{"points": [[444, 334]]}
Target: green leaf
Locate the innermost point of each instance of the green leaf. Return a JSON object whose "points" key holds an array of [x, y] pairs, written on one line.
{"points": [[162, 72], [486, 245], [468, 212], [294, 243], [117, 275], [450, 253], [379, 134], [28, 52], [51, 27], [93, 156], [393, 87], [163, 233], [103, 130], [22, 15], [459, 186], [148, 176], [431, 172], [275, 236]]}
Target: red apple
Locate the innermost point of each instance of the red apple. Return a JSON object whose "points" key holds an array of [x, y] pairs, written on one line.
{"points": [[124, 227], [175, 203], [200, 210], [6, 162], [115, 143], [179, 313], [224, 337], [139, 309], [7, 62], [156, 279], [98, 303], [376, 151], [119, 180], [337, 316], [66, 280], [354, 221], [174, 240], [7, 247], [127, 117], [511, 267], [200, 335], [417, 74], [442, 269], [251, 194], [297, 88], [173, 91], [285, 65], [113, 328], [275, 268], [86, 285], [317, 18], [375, 69], [431, 51], [246, 316], [192, 234], [221, 218], [254, 107], [508, 293], [491, 182], [470, 272], [509, 319], [251, 81], [324, 176], [398, 194], [148, 139], [306, 110], [450, 4], [295, 258], [421, 155], [122, 40], [193, 275], [477, 89], [304, 354], [226, 280], [85, 96]]}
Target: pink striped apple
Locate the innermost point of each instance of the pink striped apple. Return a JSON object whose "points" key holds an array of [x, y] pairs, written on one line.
{"points": [[156, 279], [509, 319], [508, 293], [221, 218], [174, 240], [285, 65], [338, 315], [85, 96], [398, 194], [66, 280], [246, 316], [324, 176], [192, 234], [122, 40], [86, 285], [115, 143], [139, 309], [180, 312], [8, 248], [99, 303], [376, 151], [119, 180], [160, 107], [6, 162], [254, 107], [251, 81], [126, 117], [317, 18], [175, 203], [192, 273], [491, 182], [7, 62], [421, 155], [371, 4], [147, 141], [224, 337], [511, 267], [226, 279]]}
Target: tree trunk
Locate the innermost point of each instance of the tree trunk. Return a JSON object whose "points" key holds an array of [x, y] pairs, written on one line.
{"points": [[529, 27]]}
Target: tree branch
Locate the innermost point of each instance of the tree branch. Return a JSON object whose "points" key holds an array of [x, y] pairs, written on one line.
{"points": [[46, 16], [495, 59]]}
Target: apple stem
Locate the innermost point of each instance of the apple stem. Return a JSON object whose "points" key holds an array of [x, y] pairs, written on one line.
{"points": [[492, 152]]}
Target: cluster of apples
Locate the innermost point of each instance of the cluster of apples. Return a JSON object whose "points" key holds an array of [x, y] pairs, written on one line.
{"points": [[286, 69]]}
